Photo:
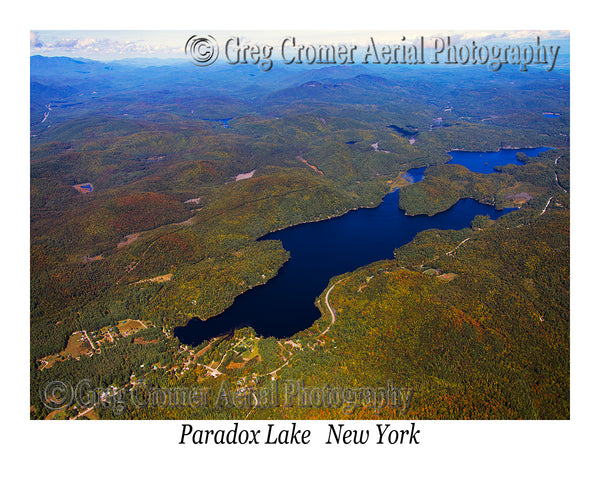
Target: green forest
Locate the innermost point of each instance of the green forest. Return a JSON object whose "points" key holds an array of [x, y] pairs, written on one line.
{"points": [[168, 231]]}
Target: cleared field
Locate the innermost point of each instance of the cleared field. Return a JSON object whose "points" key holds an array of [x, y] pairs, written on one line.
{"points": [[76, 346], [129, 326], [431, 271], [448, 276], [139, 341], [233, 365], [159, 279], [313, 167], [49, 361], [518, 198], [399, 181], [132, 237]]}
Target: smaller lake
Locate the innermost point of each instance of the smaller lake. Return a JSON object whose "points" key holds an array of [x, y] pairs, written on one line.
{"points": [[414, 175], [484, 162], [551, 115], [224, 121]]}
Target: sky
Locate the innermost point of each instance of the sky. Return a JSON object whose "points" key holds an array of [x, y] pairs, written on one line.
{"points": [[106, 45]]}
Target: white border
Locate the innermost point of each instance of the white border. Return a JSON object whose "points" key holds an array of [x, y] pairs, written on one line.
{"points": [[544, 449]]}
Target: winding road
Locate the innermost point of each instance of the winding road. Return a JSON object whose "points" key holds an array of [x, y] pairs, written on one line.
{"points": [[546, 207], [329, 308]]}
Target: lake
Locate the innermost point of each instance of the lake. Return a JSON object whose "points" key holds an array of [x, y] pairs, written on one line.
{"points": [[414, 175], [224, 121], [484, 162], [319, 251]]}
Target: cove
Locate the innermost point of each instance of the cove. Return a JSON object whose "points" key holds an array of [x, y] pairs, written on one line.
{"points": [[484, 162], [319, 251], [414, 175]]}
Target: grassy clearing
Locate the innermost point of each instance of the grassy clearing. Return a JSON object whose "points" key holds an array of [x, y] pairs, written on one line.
{"points": [[159, 279], [129, 326], [77, 346], [447, 276], [431, 272], [398, 182]]}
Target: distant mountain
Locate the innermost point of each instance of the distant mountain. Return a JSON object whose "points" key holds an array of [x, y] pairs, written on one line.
{"points": [[358, 89], [367, 80], [44, 66], [41, 60], [149, 62], [337, 72]]}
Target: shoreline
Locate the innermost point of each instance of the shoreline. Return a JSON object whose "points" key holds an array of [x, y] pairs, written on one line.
{"points": [[373, 205], [266, 280], [323, 219], [509, 147]]}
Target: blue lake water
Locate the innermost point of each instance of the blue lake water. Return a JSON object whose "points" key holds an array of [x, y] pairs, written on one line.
{"points": [[414, 175], [319, 251], [224, 121], [484, 162], [551, 115]]}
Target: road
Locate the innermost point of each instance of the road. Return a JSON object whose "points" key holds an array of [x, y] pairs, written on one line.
{"points": [[88, 339], [270, 374], [47, 113], [215, 373], [544, 211], [329, 308], [80, 414], [458, 246], [558, 183]]}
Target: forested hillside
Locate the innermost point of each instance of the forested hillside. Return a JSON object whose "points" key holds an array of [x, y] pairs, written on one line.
{"points": [[149, 195]]}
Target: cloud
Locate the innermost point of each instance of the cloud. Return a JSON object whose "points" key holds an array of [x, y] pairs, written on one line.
{"points": [[34, 40], [513, 36], [363, 39], [106, 45], [99, 47]]}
